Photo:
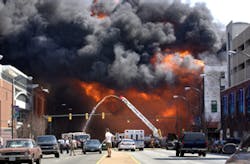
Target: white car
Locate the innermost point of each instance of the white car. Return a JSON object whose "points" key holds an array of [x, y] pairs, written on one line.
{"points": [[127, 144]]}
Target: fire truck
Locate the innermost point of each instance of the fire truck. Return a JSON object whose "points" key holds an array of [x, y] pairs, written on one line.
{"points": [[156, 132]]}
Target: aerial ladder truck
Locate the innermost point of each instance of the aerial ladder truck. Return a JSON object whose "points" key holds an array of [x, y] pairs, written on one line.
{"points": [[156, 132]]}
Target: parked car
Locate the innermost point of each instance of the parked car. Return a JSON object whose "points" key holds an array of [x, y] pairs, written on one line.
{"points": [[127, 144], [227, 146], [242, 155], [104, 146], [217, 146], [48, 144], [92, 145], [230, 145], [171, 141], [191, 142], [20, 151]]}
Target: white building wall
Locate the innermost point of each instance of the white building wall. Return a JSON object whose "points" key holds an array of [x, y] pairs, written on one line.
{"points": [[213, 82]]}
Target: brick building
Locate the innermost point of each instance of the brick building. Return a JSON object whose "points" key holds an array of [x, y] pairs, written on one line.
{"points": [[28, 101]]}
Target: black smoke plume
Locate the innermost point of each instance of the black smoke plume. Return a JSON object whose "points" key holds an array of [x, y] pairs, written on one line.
{"points": [[58, 39]]}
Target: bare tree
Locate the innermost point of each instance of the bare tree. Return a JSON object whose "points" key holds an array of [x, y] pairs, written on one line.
{"points": [[32, 127]]}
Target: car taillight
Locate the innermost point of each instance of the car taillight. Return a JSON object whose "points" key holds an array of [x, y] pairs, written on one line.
{"points": [[182, 142]]}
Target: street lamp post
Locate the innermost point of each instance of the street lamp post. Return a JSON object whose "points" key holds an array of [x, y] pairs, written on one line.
{"points": [[200, 101], [69, 112], [177, 113], [241, 52]]}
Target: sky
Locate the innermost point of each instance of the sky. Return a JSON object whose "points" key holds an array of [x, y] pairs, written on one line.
{"points": [[225, 11]]}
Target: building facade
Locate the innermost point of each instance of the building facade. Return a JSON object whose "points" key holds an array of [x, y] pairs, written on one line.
{"points": [[19, 102], [236, 98], [215, 80]]}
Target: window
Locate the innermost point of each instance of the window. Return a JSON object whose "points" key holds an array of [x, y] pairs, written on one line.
{"points": [[240, 101], [248, 43], [224, 105], [241, 66], [241, 47], [248, 62], [222, 87], [231, 104], [222, 75], [229, 39], [234, 69], [213, 106], [248, 100]]}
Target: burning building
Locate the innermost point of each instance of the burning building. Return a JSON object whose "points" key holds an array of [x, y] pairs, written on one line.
{"points": [[146, 51]]}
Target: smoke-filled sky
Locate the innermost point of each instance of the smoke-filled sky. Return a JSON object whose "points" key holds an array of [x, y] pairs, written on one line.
{"points": [[118, 43], [69, 38]]}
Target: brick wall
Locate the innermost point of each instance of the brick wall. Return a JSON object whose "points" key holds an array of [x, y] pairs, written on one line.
{"points": [[5, 108]]}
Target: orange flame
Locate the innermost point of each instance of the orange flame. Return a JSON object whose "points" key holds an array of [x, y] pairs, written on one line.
{"points": [[155, 102], [96, 91], [169, 112], [101, 15]]}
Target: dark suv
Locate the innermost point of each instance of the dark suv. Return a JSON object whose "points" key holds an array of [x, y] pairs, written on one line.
{"points": [[192, 142], [48, 144]]}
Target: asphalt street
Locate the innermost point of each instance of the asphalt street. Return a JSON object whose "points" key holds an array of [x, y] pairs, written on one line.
{"points": [[148, 156]]}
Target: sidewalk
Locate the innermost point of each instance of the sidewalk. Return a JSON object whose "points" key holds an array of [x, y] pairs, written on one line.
{"points": [[118, 158]]}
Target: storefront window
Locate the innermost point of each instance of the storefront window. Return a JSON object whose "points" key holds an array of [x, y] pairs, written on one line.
{"points": [[232, 104], [248, 100], [224, 105], [240, 101]]}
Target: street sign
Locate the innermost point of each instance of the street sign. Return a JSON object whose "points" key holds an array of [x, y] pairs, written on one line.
{"points": [[16, 111]]}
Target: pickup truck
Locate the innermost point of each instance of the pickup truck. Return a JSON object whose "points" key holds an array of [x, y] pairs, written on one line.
{"points": [[191, 142]]}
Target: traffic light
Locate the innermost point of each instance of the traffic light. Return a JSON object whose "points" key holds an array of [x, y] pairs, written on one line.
{"points": [[70, 116], [103, 115], [86, 116], [49, 119]]}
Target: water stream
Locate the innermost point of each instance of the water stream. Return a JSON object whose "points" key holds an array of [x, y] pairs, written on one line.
{"points": [[95, 108]]}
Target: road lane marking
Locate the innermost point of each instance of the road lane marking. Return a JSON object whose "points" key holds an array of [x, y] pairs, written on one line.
{"points": [[133, 158], [100, 160]]}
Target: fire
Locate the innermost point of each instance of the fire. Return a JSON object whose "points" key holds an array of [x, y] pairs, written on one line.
{"points": [[174, 59], [100, 14], [154, 103], [200, 62], [169, 112], [179, 63], [96, 91]]}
